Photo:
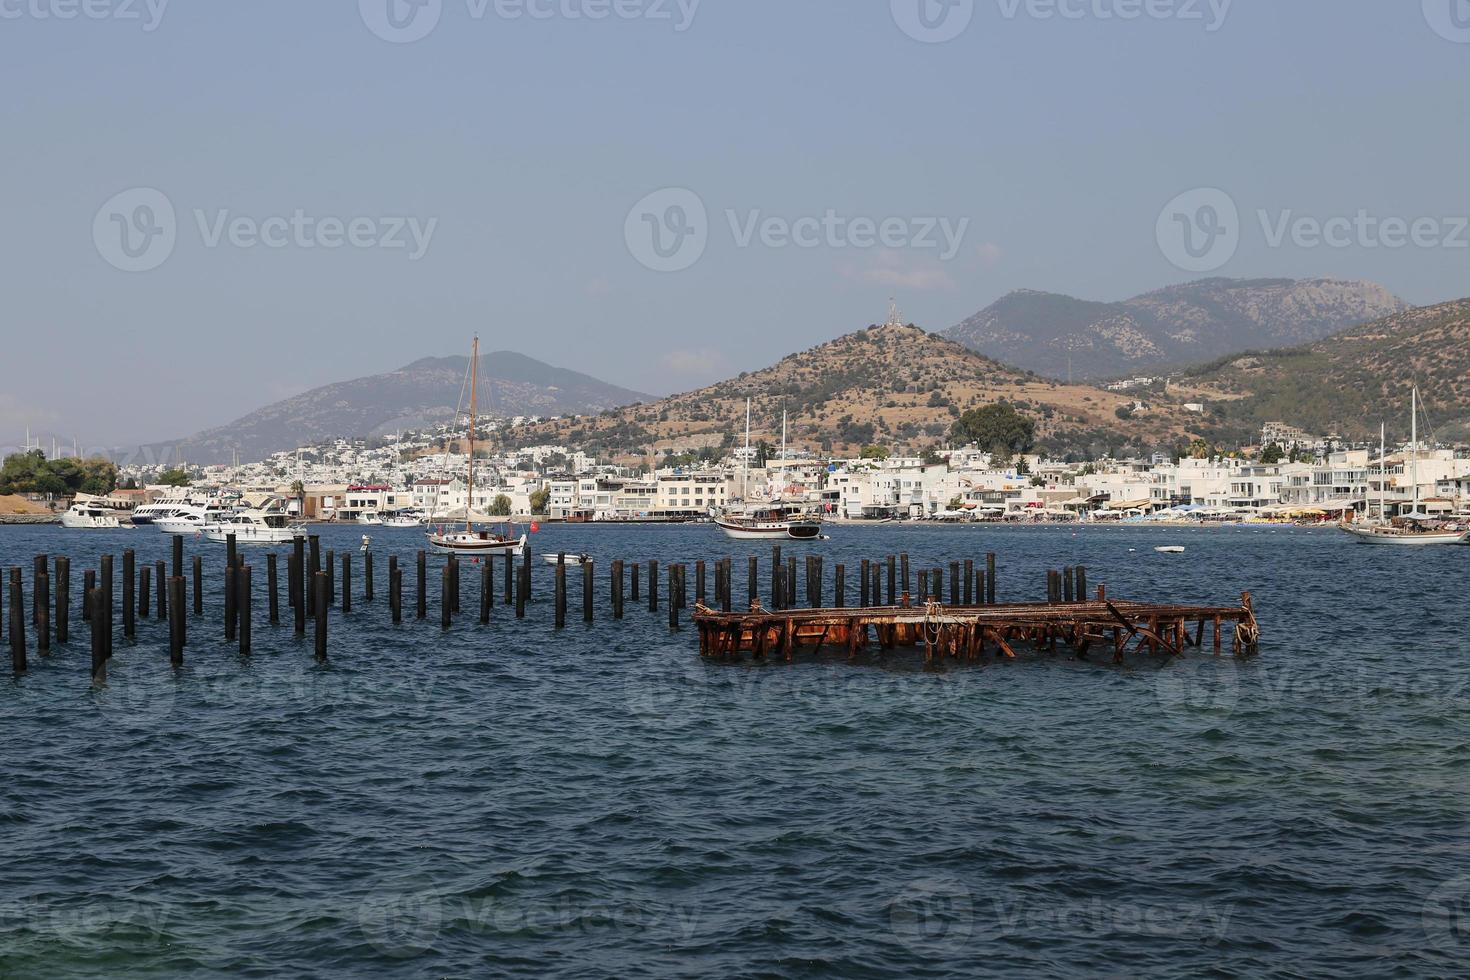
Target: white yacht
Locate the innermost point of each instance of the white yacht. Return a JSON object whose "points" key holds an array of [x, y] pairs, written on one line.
{"points": [[370, 517], [403, 519], [254, 527], [90, 517], [167, 504]]}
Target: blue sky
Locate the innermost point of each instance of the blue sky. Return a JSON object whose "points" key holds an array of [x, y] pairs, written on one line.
{"points": [[518, 148]]}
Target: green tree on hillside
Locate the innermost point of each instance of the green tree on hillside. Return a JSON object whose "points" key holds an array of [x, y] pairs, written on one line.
{"points": [[175, 477], [1272, 454], [996, 428]]}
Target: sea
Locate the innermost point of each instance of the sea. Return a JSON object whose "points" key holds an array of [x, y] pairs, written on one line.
{"points": [[514, 800]]}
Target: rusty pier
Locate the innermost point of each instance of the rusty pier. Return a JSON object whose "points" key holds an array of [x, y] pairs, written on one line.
{"points": [[971, 632]]}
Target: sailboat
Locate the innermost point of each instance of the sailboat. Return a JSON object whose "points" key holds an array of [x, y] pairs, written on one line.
{"points": [[775, 520], [470, 542], [1410, 533]]}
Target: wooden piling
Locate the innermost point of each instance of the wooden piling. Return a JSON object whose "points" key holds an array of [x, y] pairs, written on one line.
{"points": [[526, 567], [422, 610], [653, 586], [990, 579], [674, 596], [487, 590], [367, 576], [1081, 573], [893, 578], [954, 583], [272, 590], [699, 582], [633, 594], [38, 568], [198, 586], [969, 598], [243, 605], [617, 588], [176, 622], [790, 580], [510, 575], [89, 582], [330, 569], [319, 604], [454, 583], [104, 583], [63, 600], [313, 567], [561, 590], [1067, 582], [752, 585], [395, 593], [232, 551], [839, 586], [145, 592], [296, 579], [17, 623], [778, 595], [178, 555], [523, 589], [864, 600], [160, 575]]}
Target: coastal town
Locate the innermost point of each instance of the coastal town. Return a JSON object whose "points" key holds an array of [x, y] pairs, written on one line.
{"points": [[1292, 477]]}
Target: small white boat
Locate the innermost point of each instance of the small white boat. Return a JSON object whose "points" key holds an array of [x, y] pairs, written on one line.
{"points": [[254, 527], [1403, 536], [1172, 549], [184, 522], [402, 520], [473, 543], [575, 560], [90, 517], [370, 517]]}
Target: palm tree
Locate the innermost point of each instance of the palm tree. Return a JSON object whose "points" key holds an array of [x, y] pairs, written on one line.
{"points": [[299, 490]]}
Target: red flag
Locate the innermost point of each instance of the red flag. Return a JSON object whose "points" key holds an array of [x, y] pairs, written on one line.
{"points": [[535, 527]]}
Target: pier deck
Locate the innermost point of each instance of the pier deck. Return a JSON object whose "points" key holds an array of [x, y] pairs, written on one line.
{"points": [[968, 632]]}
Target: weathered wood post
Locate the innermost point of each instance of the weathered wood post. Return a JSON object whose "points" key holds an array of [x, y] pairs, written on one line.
{"points": [[635, 595], [904, 565], [38, 568], [893, 579], [446, 601], [487, 590], [43, 610], [232, 554], [561, 590], [954, 583], [129, 608], [272, 590], [296, 583], [673, 577], [367, 576], [422, 611], [778, 596], [510, 577], [875, 590], [790, 579], [1081, 573], [346, 582], [178, 555], [331, 572], [587, 590], [17, 623], [454, 583], [617, 588], [63, 600], [523, 589], [923, 586], [105, 580], [89, 583], [242, 603], [395, 593], [161, 576], [936, 585], [752, 584], [863, 598], [699, 582], [728, 600], [232, 598], [653, 586], [969, 581], [990, 579], [820, 582], [198, 586], [319, 603], [980, 587], [526, 567], [176, 622], [839, 586]]}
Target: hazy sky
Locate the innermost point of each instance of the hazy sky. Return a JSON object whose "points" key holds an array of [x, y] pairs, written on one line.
{"points": [[488, 175]]}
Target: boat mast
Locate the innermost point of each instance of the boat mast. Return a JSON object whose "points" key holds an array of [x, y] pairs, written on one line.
{"points": [[1414, 445], [1382, 473], [469, 507]]}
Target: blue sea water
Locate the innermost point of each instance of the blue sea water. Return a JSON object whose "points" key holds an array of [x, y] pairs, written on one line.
{"points": [[517, 801]]}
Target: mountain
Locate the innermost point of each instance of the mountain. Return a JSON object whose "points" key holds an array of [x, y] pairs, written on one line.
{"points": [[1183, 324], [890, 385], [424, 392], [1346, 384]]}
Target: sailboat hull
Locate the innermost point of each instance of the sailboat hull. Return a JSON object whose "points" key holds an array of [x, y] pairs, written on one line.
{"points": [[466, 544], [1406, 539]]}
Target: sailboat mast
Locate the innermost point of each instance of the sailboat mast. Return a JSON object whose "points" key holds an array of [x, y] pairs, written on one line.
{"points": [[1414, 444], [469, 507], [745, 464], [1382, 472]]}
